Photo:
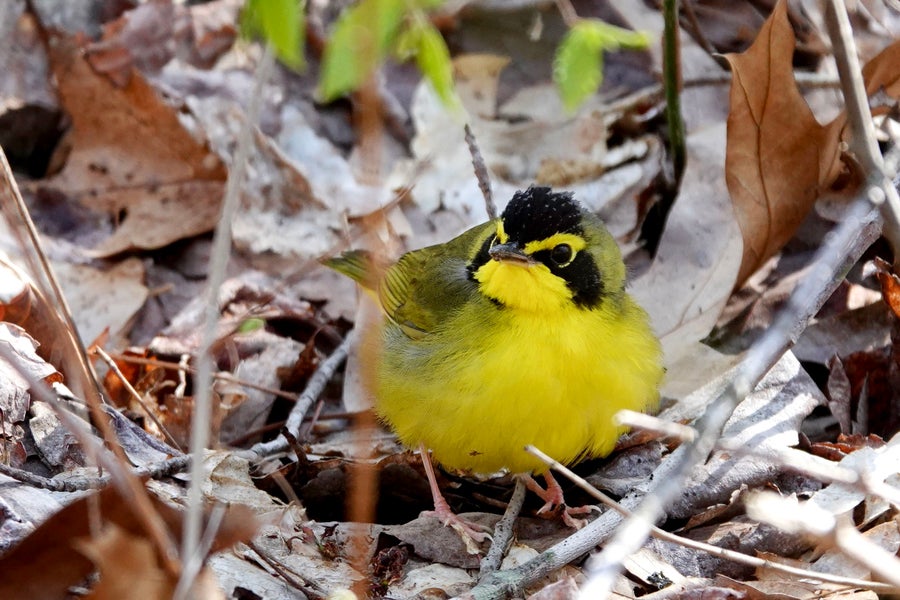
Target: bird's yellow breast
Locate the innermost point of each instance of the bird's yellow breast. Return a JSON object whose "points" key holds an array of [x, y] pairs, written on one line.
{"points": [[495, 378]]}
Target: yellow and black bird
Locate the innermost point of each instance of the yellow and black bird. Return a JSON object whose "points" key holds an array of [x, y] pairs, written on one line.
{"points": [[519, 331]]}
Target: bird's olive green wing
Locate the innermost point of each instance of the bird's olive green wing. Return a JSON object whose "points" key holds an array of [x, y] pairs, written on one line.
{"points": [[427, 285]]}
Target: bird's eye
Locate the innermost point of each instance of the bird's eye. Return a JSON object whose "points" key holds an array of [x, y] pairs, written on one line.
{"points": [[561, 254]]}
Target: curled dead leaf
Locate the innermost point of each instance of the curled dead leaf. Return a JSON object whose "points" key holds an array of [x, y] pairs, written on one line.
{"points": [[778, 157]]}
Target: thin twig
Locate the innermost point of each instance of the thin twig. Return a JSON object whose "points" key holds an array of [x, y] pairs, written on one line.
{"points": [[717, 551], [861, 549], [314, 388], [219, 255], [503, 530], [229, 377], [695, 26], [567, 12], [137, 397], [52, 484], [803, 80], [481, 173], [61, 313], [863, 142], [638, 420]]}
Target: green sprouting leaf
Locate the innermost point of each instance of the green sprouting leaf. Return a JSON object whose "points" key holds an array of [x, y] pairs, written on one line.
{"points": [[359, 42], [615, 38], [250, 325], [578, 65], [282, 23], [433, 59]]}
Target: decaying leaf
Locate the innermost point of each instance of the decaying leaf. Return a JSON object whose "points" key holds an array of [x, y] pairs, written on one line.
{"points": [[778, 157], [890, 284], [130, 156], [103, 299], [46, 563], [128, 565], [14, 395], [882, 73]]}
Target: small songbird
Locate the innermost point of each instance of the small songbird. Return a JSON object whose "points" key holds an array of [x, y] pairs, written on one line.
{"points": [[519, 331]]}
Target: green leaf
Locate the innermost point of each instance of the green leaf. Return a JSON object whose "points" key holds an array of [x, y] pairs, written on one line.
{"points": [[578, 65], [359, 42], [433, 59], [615, 38], [250, 325], [281, 23]]}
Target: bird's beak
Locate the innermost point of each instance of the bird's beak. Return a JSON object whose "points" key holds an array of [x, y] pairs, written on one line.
{"points": [[510, 252]]}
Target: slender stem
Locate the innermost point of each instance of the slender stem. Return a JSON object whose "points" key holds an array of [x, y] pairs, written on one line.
{"points": [[481, 174], [565, 8], [672, 86], [220, 253]]}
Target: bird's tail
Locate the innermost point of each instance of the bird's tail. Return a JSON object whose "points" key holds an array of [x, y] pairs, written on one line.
{"points": [[358, 265]]}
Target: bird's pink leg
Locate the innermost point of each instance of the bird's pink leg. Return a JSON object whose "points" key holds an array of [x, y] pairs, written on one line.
{"points": [[471, 533]]}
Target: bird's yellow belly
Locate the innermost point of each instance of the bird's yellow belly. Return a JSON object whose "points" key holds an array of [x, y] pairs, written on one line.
{"points": [[477, 399]]}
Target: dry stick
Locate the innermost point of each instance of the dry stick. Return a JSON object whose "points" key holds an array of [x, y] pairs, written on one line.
{"points": [[134, 394], [695, 26], [62, 314], [856, 232], [167, 364], [567, 11], [638, 420], [718, 551], [313, 389], [218, 261], [54, 485], [789, 458], [481, 173], [503, 530], [863, 142], [804, 80], [858, 547]]}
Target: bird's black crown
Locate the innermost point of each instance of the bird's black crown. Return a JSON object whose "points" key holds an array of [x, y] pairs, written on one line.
{"points": [[539, 212]]}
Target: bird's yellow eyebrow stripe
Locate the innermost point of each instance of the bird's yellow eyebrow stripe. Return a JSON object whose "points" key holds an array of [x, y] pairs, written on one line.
{"points": [[576, 242], [502, 236]]}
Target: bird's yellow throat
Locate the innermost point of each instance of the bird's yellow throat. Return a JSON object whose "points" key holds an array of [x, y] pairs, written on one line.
{"points": [[529, 287]]}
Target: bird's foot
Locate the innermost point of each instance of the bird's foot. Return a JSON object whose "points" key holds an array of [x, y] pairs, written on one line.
{"points": [[472, 534], [568, 513], [553, 497]]}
